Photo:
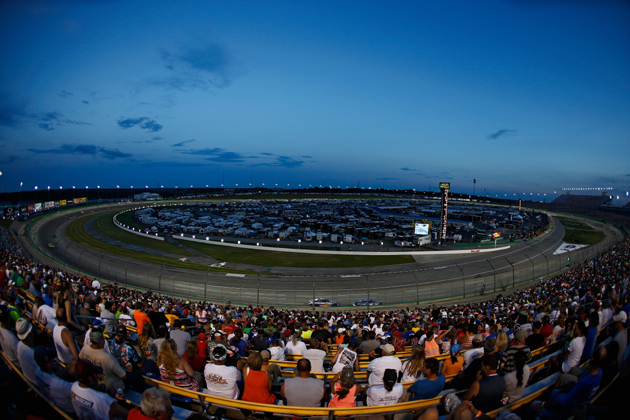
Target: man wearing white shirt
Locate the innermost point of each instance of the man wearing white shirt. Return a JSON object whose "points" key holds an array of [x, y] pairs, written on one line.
{"points": [[573, 354], [378, 366], [477, 349], [8, 340], [25, 349]]}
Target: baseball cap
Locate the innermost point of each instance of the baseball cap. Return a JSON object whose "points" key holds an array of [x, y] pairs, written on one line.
{"points": [[390, 376], [388, 348], [43, 355], [202, 336], [621, 316], [478, 338], [121, 329], [23, 328], [265, 354], [520, 335], [219, 353]]}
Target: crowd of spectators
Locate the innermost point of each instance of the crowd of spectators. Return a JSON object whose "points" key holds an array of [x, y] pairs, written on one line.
{"points": [[489, 342]]}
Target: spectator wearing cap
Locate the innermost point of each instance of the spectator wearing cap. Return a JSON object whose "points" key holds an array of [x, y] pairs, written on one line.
{"points": [[519, 345], [221, 380], [25, 351], [113, 374], [621, 335], [155, 404], [386, 391], [304, 390], [378, 366], [54, 388], [475, 352], [271, 368], [345, 389], [277, 352], [130, 357], [322, 334], [315, 356], [8, 340], [89, 403], [455, 363], [202, 346]]}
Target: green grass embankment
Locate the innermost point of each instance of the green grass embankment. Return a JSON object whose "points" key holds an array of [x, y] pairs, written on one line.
{"points": [[76, 232], [291, 259]]}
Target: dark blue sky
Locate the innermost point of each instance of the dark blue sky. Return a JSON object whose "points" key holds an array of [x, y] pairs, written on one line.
{"points": [[524, 96]]}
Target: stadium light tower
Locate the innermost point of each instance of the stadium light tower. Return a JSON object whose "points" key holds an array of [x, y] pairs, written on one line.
{"points": [[21, 184]]}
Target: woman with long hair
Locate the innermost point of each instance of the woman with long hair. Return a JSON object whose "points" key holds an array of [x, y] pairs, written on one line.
{"points": [[412, 367], [516, 381], [345, 389], [296, 345], [502, 341], [174, 369]]}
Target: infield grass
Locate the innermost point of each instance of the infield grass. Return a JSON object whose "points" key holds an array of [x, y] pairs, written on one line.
{"points": [[76, 232], [576, 232], [5, 223], [290, 259], [105, 226]]}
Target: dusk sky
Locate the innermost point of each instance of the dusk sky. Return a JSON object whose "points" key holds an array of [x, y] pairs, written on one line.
{"points": [[523, 96]]}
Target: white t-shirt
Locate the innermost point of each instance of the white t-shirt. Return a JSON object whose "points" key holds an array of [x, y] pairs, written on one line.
{"points": [[126, 320], [316, 357], [26, 355], [221, 380], [96, 284], [299, 348], [47, 317], [277, 353], [55, 389], [378, 395], [90, 404], [378, 367], [9, 343], [470, 355], [575, 347]]}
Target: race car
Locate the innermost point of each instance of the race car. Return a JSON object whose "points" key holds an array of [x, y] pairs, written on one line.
{"points": [[364, 302], [323, 302]]}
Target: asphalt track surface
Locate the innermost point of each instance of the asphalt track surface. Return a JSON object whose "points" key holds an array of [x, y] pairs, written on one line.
{"points": [[430, 278]]}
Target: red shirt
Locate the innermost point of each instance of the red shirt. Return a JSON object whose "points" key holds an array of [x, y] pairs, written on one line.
{"points": [[136, 414], [197, 363], [202, 346]]}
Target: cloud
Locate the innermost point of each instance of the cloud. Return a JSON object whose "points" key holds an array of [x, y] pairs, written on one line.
{"points": [[156, 138], [11, 113], [387, 179], [204, 152], [86, 102], [144, 123], [10, 159], [501, 133], [113, 153], [407, 169], [83, 149], [182, 143], [213, 60], [228, 157], [307, 157], [267, 154], [283, 161], [65, 94], [46, 126]]}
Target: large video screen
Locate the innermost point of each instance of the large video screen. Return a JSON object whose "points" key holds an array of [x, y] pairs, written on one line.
{"points": [[421, 229]]}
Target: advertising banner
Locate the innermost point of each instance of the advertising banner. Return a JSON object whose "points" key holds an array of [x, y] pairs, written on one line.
{"points": [[31, 207], [38, 206], [62, 202]]}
